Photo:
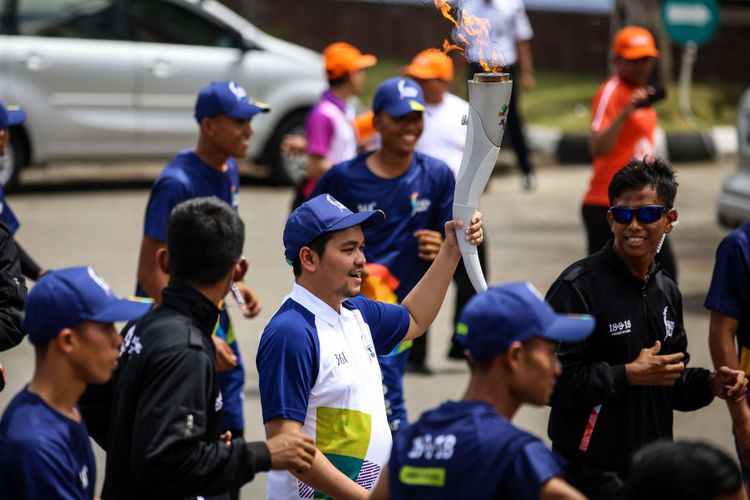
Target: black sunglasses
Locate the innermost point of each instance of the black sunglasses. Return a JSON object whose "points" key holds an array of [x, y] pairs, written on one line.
{"points": [[647, 214]]}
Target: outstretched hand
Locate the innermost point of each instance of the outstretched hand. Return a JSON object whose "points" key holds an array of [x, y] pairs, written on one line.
{"points": [[651, 368]]}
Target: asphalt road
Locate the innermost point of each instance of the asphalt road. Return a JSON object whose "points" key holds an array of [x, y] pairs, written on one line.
{"points": [[532, 236]]}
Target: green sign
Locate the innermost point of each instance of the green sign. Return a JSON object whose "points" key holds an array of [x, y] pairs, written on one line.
{"points": [[690, 20]]}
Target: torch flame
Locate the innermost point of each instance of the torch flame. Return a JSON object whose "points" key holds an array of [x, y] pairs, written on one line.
{"points": [[469, 29]]}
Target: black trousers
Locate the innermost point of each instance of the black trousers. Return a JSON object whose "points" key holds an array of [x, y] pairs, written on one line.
{"points": [[514, 127], [599, 233]]}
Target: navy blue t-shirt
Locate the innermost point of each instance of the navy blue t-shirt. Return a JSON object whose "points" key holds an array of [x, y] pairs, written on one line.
{"points": [[729, 293], [44, 454], [185, 177], [421, 198], [465, 449]]}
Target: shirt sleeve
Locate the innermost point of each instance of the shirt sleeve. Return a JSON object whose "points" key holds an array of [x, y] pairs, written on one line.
{"points": [[318, 132], [165, 195], [533, 466], [287, 360], [729, 293], [388, 322], [582, 383], [605, 106]]}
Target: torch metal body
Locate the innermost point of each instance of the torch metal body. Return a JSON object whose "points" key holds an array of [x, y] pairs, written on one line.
{"points": [[489, 97]]}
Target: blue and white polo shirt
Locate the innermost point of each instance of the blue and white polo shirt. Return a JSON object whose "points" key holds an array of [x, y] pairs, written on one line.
{"points": [[320, 368]]}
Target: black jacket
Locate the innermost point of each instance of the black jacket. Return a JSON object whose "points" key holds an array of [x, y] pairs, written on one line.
{"points": [[12, 291], [165, 421], [630, 314]]}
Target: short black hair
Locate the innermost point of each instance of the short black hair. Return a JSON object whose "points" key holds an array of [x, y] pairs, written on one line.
{"points": [[205, 237], [337, 82], [683, 469], [638, 174], [318, 245]]}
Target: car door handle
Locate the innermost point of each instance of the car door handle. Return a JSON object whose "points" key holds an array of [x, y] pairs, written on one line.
{"points": [[162, 69], [34, 61]]}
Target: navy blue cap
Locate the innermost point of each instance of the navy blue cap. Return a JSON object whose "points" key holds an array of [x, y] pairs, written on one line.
{"points": [[11, 115], [491, 321], [227, 98], [398, 96], [68, 297], [319, 215]]}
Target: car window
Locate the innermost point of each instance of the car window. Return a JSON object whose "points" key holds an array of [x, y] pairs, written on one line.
{"points": [[67, 18], [164, 22]]}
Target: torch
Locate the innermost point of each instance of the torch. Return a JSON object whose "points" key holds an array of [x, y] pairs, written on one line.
{"points": [[489, 95]]}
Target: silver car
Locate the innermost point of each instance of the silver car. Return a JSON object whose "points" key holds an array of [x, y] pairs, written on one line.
{"points": [[734, 201], [116, 79]]}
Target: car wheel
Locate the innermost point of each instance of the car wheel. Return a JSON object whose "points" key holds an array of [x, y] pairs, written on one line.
{"points": [[16, 157], [287, 170]]}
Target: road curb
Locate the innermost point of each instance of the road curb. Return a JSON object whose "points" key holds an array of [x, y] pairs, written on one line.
{"points": [[682, 147]]}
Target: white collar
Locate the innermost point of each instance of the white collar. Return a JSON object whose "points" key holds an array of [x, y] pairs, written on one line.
{"points": [[314, 304]]}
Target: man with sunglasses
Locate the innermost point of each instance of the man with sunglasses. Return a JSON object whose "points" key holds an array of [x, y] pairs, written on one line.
{"points": [[620, 386]]}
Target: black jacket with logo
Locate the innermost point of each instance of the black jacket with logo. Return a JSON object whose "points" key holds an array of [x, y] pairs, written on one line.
{"points": [[163, 430], [631, 314]]}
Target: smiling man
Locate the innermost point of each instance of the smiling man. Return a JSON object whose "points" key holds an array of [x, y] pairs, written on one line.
{"points": [[317, 358], [44, 445], [223, 112], [416, 193], [620, 387]]}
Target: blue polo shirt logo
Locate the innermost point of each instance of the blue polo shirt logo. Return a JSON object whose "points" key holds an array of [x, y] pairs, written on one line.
{"points": [[419, 205]]}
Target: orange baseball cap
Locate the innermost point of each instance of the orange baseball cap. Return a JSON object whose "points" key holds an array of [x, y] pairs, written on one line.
{"points": [[431, 64], [633, 42], [342, 58]]}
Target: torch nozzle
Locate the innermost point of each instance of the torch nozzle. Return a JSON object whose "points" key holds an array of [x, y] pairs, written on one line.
{"points": [[491, 77]]}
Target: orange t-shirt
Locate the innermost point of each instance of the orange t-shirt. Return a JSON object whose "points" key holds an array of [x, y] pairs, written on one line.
{"points": [[636, 138]]}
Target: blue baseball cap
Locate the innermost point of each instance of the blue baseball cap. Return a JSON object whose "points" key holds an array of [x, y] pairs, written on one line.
{"points": [[491, 321], [227, 98], [398, 96], [319, 215], [11, 115], [68, 297]]}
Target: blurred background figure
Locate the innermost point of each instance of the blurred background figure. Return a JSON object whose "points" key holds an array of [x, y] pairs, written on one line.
{"points": [[330, 135], [622, 128], [510, 38], [684, 470]]}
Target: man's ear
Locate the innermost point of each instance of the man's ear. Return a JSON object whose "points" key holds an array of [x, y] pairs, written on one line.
{"points": [[162, 259], [308, 259], [610, 220], [377, 120], [65, 341], [672, 217], [240, 268], [513, 355]]}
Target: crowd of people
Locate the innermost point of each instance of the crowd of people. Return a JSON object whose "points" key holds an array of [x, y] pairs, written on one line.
{"points": [[373, 248]]}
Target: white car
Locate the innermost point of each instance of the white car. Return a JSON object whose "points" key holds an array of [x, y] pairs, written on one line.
{"points": [[734, 200], [117, 79]]}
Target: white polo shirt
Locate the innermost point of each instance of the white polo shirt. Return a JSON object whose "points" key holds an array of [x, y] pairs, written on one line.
{"points": [[320, 368]]}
